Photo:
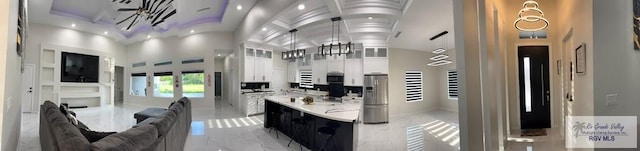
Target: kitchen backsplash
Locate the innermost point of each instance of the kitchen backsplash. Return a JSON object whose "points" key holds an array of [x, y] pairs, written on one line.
{"points": [[253, 85], [322, 87], [356, 89]]}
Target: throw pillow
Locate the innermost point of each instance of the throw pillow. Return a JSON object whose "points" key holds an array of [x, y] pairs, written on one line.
{"points": [[72, 119], [94, 136], [64, 109]]}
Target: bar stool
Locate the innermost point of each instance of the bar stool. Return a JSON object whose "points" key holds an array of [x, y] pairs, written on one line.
{"points": [[330, 130], [275, 115], [287, 112], [300, 127]]}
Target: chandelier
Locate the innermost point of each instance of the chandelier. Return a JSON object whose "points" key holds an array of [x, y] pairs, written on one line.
{"points": [[154, 12], [440, 57], [293, 53], [531, 6], [335, 48]]}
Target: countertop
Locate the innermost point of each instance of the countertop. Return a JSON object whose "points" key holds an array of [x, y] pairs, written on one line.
{"points": [[348, 111]]}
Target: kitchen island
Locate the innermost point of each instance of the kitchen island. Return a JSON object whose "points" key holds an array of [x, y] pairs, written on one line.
{"points": [[341, 117]]}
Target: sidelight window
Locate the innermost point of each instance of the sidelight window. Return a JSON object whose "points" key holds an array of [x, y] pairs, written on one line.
{"points": [[527, 84]]}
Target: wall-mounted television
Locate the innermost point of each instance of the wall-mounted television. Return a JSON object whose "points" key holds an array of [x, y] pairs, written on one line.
{"points": [[79, 68]]}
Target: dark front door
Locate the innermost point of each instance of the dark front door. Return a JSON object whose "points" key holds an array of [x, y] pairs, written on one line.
{"points": [[533, 63], [218, 83]]}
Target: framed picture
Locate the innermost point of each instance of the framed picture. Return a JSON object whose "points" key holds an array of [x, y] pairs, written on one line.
{"points": [[559, 67], [581, 59], [636, 24], [21, 32]]}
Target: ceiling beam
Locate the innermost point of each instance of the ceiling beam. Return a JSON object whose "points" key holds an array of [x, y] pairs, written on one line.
{"points": [[301, 37], [336, 9]]}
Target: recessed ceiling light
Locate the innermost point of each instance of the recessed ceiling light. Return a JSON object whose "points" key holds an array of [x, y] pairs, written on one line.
{"points": [[73, 25], [239, 7], [301, 7], [219, 55], [264, 28], [370, 17], [192, 31], [148, 36], [106, 32]]}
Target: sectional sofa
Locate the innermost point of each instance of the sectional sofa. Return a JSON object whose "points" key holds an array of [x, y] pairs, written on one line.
{"points": [[165, 132]]}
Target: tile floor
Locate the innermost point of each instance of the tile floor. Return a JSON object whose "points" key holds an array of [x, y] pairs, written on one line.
{"points": [[225, 129], [551, 142]]}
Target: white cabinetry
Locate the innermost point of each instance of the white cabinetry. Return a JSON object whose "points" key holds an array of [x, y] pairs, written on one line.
{"points": [[292, 70], [335, 63], [249, 61], [268, 66], [254, 103], [376, 60], [353, 75], [319, 69], [258, 65]]}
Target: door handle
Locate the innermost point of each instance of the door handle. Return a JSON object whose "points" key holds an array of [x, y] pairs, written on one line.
{"points": [[543, 85]]}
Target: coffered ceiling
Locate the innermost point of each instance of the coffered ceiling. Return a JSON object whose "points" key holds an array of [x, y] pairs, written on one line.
{"points": [[372, 22], [102, 17]]}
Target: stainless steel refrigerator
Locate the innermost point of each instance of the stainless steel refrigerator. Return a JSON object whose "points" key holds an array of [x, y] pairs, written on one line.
{"points": [[376, 98]]}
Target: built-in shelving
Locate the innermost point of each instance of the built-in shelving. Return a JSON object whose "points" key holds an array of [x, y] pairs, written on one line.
{"points": [[75, 94]]}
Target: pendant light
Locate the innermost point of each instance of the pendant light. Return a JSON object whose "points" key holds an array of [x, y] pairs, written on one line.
{"points": [[342, 48], [531, 6], [440, 56], [293, 52]]}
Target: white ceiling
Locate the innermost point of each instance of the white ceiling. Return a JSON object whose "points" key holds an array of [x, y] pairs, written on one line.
{"points": [[418, 20], [100, 16], [423, 20]]}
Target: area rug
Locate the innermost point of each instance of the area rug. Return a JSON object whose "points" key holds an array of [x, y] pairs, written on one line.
{"points": [[533, 132]]}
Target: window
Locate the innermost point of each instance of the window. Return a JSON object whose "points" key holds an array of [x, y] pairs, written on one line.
{"points": [[413, 81], [193, 60], [306, 79], [193, 84], [138, 84], [139, 64], [162, 63], [452, 76], [163, 84]]}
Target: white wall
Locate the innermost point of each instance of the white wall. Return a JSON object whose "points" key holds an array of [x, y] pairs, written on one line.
{"points": [[176, 49], [444, 102], [10, 79], [401, 60], [230, 76], [615, 62], [218, 65], [49, 36], [577, 16]]}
